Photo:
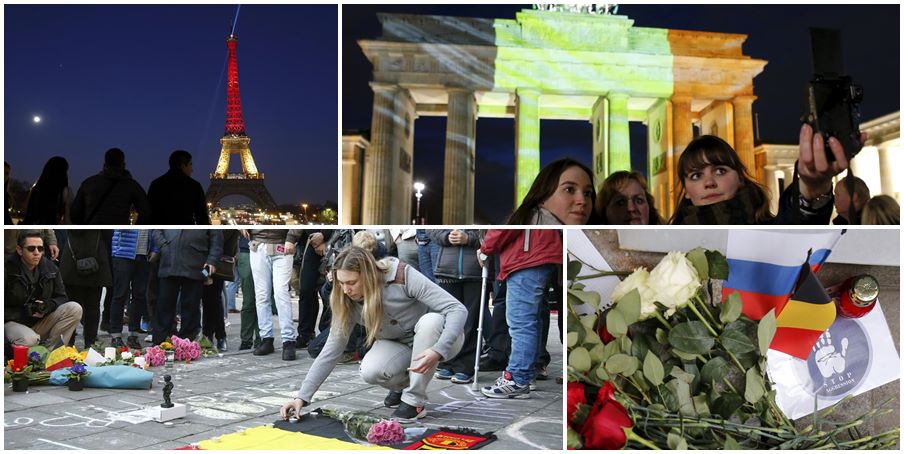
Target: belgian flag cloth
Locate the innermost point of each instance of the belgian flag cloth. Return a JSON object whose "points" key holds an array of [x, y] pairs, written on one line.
{"points": [[804, 317]]}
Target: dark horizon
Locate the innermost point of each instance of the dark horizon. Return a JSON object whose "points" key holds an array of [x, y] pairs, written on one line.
{"points": [[150, 79], [776, 33]]}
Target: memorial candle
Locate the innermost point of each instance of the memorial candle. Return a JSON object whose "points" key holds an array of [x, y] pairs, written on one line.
{"points": [[20, 357], [110, 353]]}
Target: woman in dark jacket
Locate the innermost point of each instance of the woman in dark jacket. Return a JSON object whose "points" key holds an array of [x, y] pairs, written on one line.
{"points": [[212, 318], [458, 272], [85, 285], [50, 197]]}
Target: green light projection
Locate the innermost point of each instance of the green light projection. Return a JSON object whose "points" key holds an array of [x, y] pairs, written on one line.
{"points": [[579, 55]]}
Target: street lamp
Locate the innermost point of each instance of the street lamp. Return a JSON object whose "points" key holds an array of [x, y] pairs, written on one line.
{"points": [[305, 206], [418, 188]]}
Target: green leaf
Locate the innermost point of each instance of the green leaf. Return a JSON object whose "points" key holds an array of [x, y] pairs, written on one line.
{"points": [[602, 374], [731, 310], [574, 267], [755, 388], [732, 444], [697, 257], [624, 345], [591, 298], [579, 359], [589, 321], [572, 339], [736, 341], [700, 405], [662, 337], [718, 266], [682, 392], [714, 370], [676, 441], [574, 439], [680, 374], [620, 364], [596, 354], [591, 339], [629, 306], [684, 355], [727, 404], [765, 331], [615, 323], [691, 337], [652, 369], [640, 345]]}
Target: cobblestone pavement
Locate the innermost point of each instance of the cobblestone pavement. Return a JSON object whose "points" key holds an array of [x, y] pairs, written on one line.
{"points": [[239, 391]]}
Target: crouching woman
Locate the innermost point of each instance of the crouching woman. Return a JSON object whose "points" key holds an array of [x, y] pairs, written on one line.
{"points": [[411, 324]]}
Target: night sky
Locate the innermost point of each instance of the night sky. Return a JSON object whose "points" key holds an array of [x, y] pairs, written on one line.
{"points": [[151, 79], [777, 33]]}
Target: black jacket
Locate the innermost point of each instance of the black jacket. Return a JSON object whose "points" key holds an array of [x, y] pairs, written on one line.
{"points": [[83, 244], [107, 198], [454, 261], [19, 289], [740, 211], [177, 199]]}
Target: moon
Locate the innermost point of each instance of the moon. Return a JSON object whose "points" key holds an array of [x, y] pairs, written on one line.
{"points": [[36, 119]]}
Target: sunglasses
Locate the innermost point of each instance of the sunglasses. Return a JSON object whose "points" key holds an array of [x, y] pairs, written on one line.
{"points": [[33, 248]]}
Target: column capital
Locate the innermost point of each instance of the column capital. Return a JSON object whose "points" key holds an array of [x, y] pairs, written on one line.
{"points": [[616, 95], [458, 90], [682, 99], [743, 99], [384, 87], [527, 92]]}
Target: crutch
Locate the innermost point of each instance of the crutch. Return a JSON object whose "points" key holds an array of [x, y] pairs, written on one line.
{"points": [[483, 292]]}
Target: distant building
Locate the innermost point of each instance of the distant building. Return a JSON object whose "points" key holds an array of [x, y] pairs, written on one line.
{"points": [[878, 163]]}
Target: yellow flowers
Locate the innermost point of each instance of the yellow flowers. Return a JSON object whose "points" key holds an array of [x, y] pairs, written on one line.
{"points": [[166, 346]]}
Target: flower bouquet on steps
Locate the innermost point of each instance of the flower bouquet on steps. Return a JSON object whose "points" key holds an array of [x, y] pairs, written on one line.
{"points": [[669, 366]]}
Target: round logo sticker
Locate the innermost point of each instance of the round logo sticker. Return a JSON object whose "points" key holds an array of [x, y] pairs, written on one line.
{"points": [[840, 359]]}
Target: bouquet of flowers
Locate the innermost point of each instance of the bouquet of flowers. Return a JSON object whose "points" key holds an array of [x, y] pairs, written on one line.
{"points": [[670, 366], [186, 350], [155, 356], [362, 426], [207, 347]]}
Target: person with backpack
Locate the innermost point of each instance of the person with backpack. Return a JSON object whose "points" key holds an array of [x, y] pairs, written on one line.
{"points": [[411, 324]]}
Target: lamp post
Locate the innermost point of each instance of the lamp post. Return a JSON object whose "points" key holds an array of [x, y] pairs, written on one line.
{"points": [[305, 207], [418, 188]]}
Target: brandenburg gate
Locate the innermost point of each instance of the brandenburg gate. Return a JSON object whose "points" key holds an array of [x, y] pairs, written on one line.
{"points": [[546, 65]]}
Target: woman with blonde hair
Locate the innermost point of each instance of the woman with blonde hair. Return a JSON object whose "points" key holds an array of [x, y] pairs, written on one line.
{"points": [[411, 323], [881, 210]]}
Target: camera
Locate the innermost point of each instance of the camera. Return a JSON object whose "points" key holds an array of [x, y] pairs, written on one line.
{"points": [[35, 306], [832, 99]]}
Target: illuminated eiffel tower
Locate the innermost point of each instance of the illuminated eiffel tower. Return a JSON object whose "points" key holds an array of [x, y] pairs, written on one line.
{"points": [[249, 183]]}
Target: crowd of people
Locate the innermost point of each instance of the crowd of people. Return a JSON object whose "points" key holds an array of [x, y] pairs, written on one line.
{"points": [[111, 196], [714, 187], [405, 303]]}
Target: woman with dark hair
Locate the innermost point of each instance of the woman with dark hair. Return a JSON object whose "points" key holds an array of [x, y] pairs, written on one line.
{"points": [[716, 187], [562, 193], [624, 199], [49, 199]]}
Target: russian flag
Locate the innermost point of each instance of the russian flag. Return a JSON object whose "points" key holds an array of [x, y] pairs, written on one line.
{"points": [[763, 265]]}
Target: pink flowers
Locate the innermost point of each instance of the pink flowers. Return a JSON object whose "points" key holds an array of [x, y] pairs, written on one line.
{"points": [[186, 350], [155, 356], [385, 432]]}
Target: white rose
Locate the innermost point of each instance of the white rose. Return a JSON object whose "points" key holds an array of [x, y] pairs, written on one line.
{"points": [[125, 355], [638, 280], [674, 281]]}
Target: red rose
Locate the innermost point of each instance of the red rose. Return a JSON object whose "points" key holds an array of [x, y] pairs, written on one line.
{"points": [[604, 428], [575, 396], [603, 332], [123, 349]]}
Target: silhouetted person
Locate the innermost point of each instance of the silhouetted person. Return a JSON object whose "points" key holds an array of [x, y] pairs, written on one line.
{"points": [[50, 197], [7, 200], [176, 198], [108, 197]]}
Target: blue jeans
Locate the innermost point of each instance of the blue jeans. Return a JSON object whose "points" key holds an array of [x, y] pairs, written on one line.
{"points": [[232, 288], [271, 277], [425, 254], [526, 291]]}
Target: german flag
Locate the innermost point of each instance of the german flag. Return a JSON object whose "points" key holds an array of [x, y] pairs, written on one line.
{"points": [[804, 317]]}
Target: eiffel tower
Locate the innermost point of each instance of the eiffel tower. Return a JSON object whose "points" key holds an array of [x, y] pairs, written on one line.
{"points": [[249, 183]]}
